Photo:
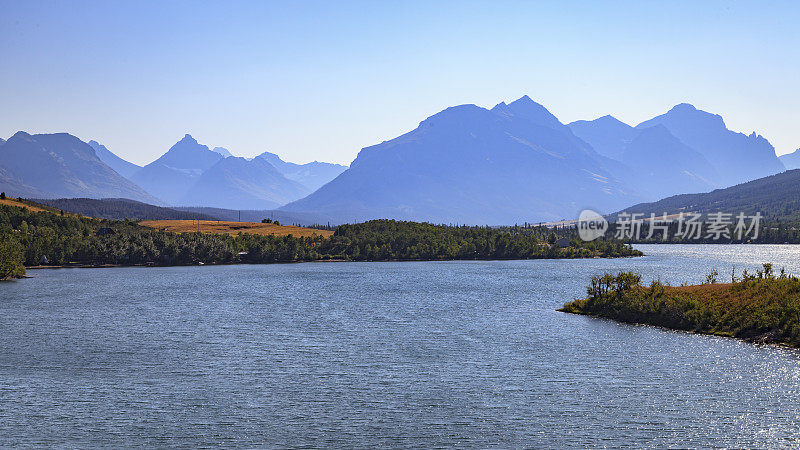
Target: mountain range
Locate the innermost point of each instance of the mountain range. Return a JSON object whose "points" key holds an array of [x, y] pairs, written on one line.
{"points": [[312, 175], [512, 163], [188, 174], [738, 157], [518, 162], [172, 175], [693, 151], [466, 164], [60, 165], [237, 183]]}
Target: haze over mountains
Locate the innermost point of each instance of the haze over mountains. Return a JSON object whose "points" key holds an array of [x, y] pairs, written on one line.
{"points": [[738, 157], [122, 167], [513, 163], [517, 163], [467, 164], [188, 174], [710, 155], [662, 165], [237, 183], [61, 165], [606, 134], [222, 151], [791, 160], [172, 175], [312, 175]]}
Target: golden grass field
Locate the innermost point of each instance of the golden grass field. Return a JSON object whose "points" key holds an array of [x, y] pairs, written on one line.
{"points": [[12, 202], [214, 227]]}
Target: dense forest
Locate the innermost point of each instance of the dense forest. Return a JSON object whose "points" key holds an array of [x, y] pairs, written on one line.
{"points": [[49, 238]]}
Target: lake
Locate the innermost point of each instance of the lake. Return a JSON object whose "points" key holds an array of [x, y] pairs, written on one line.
{"points": [[407, 354]]}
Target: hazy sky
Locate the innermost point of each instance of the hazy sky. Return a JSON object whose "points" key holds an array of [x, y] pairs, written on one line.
{"points": [[321, 80]]}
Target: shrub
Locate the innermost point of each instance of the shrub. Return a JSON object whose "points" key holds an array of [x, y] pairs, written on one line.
{"points": [[760, 307]]}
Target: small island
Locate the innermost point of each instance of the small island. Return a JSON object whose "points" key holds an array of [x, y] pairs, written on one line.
{"points": [[761, 307]]}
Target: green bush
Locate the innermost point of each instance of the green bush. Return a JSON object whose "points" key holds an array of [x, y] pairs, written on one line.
{"points": [[762, 307]]}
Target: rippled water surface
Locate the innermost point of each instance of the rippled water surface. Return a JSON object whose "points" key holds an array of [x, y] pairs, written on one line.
{"points": [[364, 354]]}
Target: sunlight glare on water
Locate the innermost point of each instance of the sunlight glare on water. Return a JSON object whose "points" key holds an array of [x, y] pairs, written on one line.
{"points": [[364, 354]]}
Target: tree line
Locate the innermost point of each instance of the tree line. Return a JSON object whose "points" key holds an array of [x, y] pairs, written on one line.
{"points": [[49, 238]]}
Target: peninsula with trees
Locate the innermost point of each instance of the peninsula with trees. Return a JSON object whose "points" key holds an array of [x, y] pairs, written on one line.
{"points": [[761, 307]]}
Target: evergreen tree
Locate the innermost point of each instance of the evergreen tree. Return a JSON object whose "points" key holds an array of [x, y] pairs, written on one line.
{"points": [[11, 257]]}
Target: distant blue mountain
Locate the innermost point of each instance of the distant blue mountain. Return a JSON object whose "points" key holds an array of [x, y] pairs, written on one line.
{"points": [[222, 151], [532, 112], [466, 164], [122, 167], [661, 165], [607, 135], [236, 183], [737, 157], [189, 174], [691, 151], [172, 175], [60, 165], [188, 155], [312, 175], [791, 160], [511, 164]]}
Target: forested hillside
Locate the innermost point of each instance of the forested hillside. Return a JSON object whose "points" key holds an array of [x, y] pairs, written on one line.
{"points": [[121, 209], [777, 197]]}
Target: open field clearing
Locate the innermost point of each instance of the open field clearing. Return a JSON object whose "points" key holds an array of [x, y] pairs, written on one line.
{"points": [[12, 202], [215, 227]]}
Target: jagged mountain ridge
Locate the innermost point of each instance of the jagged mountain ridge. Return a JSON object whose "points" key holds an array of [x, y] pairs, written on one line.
{"points": [[650, 160], [737, 157], [671, 167], [467, 164], [172, 175]]}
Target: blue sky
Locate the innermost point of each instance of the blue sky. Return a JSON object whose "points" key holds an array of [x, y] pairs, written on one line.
{"points": [[321, 80]]}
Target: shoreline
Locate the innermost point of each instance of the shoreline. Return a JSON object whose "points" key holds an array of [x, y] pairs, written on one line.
{"points": [[760, 308], [755, 340], [108, 266]]}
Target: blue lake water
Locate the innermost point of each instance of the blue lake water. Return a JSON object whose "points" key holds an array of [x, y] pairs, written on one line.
{"points": [[411, 354]]}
